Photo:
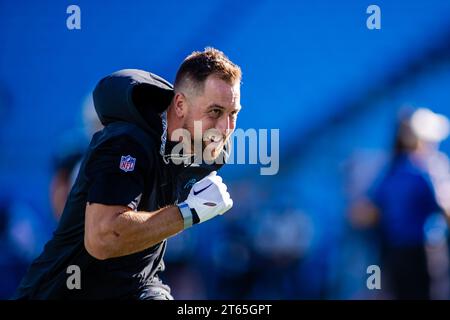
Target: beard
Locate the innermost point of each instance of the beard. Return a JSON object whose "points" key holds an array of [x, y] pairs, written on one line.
{"points": [[208, 147], [205, 144], [211, 149]]}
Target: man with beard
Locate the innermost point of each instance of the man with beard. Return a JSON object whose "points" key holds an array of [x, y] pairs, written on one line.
{"points": [[132, 191]]}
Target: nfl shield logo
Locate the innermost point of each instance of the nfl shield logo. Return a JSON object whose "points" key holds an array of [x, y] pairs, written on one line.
{"points": [[127, 163]]}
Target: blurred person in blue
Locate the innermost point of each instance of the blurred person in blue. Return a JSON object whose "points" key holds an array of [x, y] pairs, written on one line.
{"points": [[404, 196], [13, 262], [23, 227], [68, 156]]}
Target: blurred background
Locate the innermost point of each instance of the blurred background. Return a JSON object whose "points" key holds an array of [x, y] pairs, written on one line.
{"points": [[363, 170]]}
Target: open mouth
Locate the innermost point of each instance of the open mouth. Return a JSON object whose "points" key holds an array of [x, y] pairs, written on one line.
{"points": [[214, 138]]}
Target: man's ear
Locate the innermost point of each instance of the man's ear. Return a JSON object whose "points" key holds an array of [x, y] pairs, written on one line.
{"points": [[180, 104]]}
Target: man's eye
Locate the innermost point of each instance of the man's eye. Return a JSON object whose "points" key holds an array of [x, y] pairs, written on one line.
{"points": [[216, 113]]}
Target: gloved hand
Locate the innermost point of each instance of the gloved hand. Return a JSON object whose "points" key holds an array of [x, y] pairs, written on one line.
{"points": [[207, 199]]}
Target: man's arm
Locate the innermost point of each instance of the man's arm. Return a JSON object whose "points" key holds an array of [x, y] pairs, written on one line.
{"points": [[114, 231]]}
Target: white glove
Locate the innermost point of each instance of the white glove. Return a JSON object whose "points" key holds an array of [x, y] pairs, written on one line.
{"points": [[207, 199]]}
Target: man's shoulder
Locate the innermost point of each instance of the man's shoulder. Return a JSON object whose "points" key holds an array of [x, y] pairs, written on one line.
{"points": [[126, 148], [126, 135]]}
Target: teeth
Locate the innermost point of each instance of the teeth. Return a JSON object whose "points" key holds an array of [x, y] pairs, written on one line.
{"points": [[214, 139]]}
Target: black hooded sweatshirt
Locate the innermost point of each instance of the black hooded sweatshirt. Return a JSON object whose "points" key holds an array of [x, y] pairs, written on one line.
{"points": [[125, 164]]}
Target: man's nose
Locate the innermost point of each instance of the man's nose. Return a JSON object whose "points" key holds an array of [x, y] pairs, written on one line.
{"points": [[224, 125]]}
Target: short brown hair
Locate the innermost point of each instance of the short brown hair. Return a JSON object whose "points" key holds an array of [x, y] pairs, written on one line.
{"points": [[199, 65]]}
